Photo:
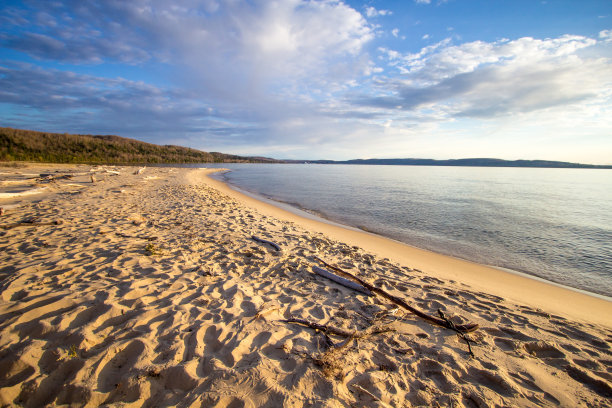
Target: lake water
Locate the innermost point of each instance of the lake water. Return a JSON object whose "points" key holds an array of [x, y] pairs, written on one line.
{"points": [[552, 223]]}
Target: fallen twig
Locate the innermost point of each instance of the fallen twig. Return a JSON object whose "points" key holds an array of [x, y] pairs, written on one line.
{"points": [[342, 281], [265, 241], [343, 343], [29, 224], [145, 237], [264, 312], [460, 328], [452, 326], [369, 394], [337, 331]]}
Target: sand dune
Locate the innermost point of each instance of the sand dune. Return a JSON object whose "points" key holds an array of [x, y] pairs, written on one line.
{"points": [[151, 292]]}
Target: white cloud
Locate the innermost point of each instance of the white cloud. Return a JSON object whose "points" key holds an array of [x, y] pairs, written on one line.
{"points": [[422, 1], [231, 52], [425, 37], [80, 103], [289, 36], [395, 32], [606, 35], [373, 12], [443, 60], [255, 64], [535, 98]]}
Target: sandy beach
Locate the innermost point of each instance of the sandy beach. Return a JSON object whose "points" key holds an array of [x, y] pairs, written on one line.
{"points": [[128, 286]]}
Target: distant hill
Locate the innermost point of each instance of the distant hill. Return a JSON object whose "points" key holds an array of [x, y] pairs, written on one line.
{"points": [[464, 162], [27, 145]]}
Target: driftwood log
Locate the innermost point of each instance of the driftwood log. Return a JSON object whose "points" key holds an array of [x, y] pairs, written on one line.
{"points": [[463, 335], [342, 281], [46, 177], [265, 241], [337, 331], [29, 224], [145, 237], [459, 328]]}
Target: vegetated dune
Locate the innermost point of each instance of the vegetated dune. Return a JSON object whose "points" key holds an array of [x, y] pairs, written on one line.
{"points": [[28, 145]]}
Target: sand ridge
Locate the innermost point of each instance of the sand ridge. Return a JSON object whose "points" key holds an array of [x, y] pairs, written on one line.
{"points": [[151, 292]]}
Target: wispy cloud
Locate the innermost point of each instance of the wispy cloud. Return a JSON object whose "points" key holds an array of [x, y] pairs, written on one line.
{"points": [[482, 79], [606, 35], [262, 63], [373, 12], [77, 102]]}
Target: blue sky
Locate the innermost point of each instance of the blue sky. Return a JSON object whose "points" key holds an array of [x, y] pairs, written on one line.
{"points": [[317, 79]]}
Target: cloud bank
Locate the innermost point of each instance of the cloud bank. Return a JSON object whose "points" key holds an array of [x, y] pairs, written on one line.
{"points": [[503, 78]]}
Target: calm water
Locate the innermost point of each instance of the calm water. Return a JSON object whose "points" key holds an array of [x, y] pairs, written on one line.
{"points": [[552, 223]]}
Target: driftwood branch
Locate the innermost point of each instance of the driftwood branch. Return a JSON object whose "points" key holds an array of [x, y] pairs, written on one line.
{"points": [[265, 241], [343, 343], [47, 177], [460, 328], [342, 281], [29, 224], [337, 331], [145, 237], [264, 312], [369, 394], [461, 334]]}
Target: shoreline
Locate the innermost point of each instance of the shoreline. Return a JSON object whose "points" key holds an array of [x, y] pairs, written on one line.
{"points": [[305, 213], [513, 285]]}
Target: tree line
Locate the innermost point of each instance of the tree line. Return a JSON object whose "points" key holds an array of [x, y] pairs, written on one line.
{"points": [[32, 146]]}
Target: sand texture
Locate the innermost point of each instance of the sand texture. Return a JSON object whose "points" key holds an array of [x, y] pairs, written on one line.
{"points": [[148, 290]]}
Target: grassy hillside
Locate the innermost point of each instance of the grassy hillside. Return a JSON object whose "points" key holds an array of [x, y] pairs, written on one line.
{"points": [[27, 145]]}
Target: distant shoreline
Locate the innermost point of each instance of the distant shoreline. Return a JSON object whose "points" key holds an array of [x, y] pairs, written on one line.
{"points": [[478, 162]]}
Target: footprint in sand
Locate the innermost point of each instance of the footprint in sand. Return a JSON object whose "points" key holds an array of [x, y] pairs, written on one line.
{"points": [[117, 368], [52, 385]]}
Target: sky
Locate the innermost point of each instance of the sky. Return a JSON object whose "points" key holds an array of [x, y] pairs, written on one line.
{"points": [[294, 79]]}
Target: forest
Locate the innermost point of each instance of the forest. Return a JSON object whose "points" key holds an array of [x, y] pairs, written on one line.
{"points": [[32, 146]]}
